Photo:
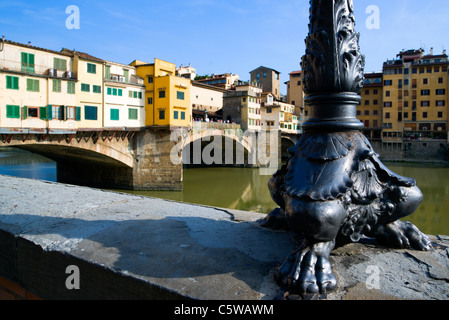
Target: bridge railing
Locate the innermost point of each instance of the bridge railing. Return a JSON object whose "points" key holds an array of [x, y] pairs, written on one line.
{"points": [[198, 125]]}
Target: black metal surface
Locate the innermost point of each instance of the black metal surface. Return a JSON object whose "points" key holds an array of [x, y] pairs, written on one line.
{"points": [[334, 189]]}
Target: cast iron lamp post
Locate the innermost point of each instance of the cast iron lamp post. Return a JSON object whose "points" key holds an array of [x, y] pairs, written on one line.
{"points": [[334, 189]]}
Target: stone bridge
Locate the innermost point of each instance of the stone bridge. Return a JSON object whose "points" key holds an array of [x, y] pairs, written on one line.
{"points": [[147, 158]]}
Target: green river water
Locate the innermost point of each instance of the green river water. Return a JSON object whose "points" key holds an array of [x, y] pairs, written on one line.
{"points": [[246, 189]]}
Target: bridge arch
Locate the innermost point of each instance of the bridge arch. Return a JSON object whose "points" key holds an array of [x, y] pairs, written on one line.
{"points": [[225, 147]]}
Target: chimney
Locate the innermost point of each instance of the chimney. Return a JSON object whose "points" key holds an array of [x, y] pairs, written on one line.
{"points": [[444, 51], [431, 51]]}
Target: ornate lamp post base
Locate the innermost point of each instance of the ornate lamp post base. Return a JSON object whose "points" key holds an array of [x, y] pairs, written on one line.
{"points": [[334, 188]]}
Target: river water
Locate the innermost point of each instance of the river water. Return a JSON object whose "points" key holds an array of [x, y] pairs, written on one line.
{"points": [[246, 189]]}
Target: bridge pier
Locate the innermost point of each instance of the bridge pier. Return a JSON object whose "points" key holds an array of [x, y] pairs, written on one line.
{"points": [[113, 158]]}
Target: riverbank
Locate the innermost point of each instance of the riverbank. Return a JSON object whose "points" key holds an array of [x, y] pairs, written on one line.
{"points": [[135, 247]]}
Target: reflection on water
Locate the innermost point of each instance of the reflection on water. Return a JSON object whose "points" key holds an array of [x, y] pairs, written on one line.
{"points": [[19, 163], [246, 189], [432, 217]]}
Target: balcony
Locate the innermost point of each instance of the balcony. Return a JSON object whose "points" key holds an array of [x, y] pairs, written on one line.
{"points": [[132, 79], [35, 69]]}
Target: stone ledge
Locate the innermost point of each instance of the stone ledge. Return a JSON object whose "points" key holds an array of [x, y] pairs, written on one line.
{"points": [[134, 247]]}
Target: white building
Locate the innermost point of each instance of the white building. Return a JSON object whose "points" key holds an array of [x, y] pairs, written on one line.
{"points": [[205, 97], [279, 115], [186, 72], [37, 88], [124, 96]]}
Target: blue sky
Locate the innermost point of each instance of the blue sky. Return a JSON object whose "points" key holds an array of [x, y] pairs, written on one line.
{"points": [[218, 36]]}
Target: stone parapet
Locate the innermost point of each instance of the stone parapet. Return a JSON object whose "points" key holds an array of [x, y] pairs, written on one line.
{"points": [[122, 246]]}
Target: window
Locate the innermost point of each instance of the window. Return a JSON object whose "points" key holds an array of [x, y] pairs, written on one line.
{"points": [[150, 79], [175, 115], [425, 92], [388, 82], [56, 85], [32, 85], [107, 72], [57, 112], [161, 114], [13, 112], [91, 68], [387, 115], [440, 92], [414, 70], [12, 82], [425, 103], [162, 94], [132, 114], [440, 80], [85, 87], [96, 89], [424, 115], [183, 115], [387, 93], [71, 87], [440, 103], [405, 115], [60, 64], [90, 113], [180, 95], [115, 114], [387, 104], [440, 114], [73, 113], [27, 62], [425, 81], [150, 100], [32, 112]]}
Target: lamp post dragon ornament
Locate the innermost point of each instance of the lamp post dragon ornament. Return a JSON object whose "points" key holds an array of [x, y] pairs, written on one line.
{"points": [[334, 189]]}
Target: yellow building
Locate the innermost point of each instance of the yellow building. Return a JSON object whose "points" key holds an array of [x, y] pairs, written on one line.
{"points": [[370, 109], [415, 96], [167, 96]]}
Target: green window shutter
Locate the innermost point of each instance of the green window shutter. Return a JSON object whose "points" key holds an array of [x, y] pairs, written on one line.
{"points": [[71, 87], [183, 115], [43, 113], [130, 94], [140, 95], [49, 112], [15, 83], [56, 85], [96, 89], [120, 92], [115, 114], [132, 114], [107, 72], [62, 113], [90, 113], [114, 91], [8, 82], [32, 85], [78, 113], [135, 94], [91, 68], [25, 112], [109, 91], [175, 115], [12, 112], [180, 95]]}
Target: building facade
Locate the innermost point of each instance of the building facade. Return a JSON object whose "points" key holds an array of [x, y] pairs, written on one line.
{"points": [[243, 106], [38, 88], [277, 115], [167, 96], [124, 96], [415, 97], [369, 111], [268, 79], [226, 81]]}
